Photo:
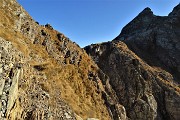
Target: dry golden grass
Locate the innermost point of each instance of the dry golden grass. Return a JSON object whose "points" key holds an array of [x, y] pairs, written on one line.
{"points": [[69, 80], [77, 91]]}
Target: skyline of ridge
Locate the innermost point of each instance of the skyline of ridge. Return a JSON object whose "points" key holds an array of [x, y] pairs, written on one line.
{"points": [[87, 22]]}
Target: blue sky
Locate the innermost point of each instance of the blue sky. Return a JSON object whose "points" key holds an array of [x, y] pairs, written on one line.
{"points": [[92, 21]]}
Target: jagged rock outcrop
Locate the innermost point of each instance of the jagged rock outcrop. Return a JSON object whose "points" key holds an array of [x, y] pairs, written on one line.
{"points": [[10, 73], [146, 79]]}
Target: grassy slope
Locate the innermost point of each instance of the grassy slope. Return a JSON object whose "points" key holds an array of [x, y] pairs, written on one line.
{"points": [[69, 82]]}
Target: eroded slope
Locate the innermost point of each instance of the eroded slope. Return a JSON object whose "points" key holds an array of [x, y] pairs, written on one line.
{"points": [[145, 92]]}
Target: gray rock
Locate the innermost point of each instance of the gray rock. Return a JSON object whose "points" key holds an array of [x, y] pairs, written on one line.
{"points": [[155, 39], [138, 90]]}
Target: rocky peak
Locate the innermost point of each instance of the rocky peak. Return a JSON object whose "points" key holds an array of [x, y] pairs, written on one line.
{"points": [[141, 21], [155, 39], [176, 11], [146, 12]]}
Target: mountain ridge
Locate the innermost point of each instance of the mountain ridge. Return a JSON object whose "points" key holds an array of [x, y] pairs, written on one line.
{"points": [[56, 72]]}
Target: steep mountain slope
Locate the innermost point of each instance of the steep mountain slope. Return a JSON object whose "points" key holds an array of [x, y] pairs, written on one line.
{"points": [[146, 78], [43, 75], [146, 93]]}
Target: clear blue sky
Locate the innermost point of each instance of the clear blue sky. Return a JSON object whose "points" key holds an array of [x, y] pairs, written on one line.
{"points": [[92, 21]]}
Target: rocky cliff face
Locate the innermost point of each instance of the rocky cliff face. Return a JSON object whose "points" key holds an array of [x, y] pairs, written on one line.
{"points": [[143, 65], [141, 89], [155, 39]]}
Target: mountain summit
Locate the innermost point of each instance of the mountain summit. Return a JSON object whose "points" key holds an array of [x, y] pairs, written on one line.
{"points": [[155, 39]]}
